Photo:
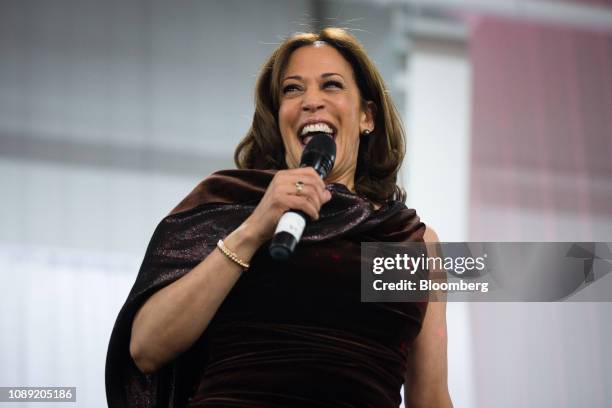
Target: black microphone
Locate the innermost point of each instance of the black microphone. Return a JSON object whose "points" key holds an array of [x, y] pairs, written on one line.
{"points": [[320, 154]]}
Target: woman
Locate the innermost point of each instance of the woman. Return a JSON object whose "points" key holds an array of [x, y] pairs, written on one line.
{"points": [[213, 321]]}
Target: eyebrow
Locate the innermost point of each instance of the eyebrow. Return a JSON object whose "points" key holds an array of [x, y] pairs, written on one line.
{"points": [[325, 75]]}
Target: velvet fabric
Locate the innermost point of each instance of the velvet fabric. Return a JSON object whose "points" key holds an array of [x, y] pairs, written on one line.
{"points": [[288, 334]]}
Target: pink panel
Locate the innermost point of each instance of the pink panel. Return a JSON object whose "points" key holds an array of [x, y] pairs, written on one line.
{"points": [[542, 133]]}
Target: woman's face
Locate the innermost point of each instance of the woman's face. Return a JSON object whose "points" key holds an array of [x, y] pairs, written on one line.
{"points": [[319, 93]]}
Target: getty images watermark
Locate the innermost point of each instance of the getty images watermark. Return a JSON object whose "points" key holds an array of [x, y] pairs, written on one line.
{"points": [[486, 271]]}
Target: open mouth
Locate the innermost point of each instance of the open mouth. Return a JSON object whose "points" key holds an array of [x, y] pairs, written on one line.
{"points": [[308, 131]]}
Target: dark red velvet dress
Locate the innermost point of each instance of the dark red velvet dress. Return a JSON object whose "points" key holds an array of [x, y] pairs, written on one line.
{"points": [[291, 334]]}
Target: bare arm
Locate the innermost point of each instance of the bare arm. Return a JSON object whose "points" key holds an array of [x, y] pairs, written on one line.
{"points": [[174, 317], [426, 384]]}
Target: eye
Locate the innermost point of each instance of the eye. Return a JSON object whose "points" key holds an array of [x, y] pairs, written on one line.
{"points": [[334, 84], [290, 88]]}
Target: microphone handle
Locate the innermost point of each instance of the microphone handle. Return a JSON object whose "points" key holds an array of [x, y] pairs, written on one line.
{"points": [[289, 229], [287, 235]]}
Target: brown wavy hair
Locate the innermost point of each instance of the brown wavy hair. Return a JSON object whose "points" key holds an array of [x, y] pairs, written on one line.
{"points": [[380, 153]]}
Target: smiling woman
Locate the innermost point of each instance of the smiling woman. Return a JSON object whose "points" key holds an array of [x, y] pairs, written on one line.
{"points": [[327, 76], [214, 321], [319, 90]]}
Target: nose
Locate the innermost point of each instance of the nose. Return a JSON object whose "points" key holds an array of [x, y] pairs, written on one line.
{"points": [[313, 101]]}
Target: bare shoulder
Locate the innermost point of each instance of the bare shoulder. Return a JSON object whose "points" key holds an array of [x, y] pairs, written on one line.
{"points": [[430, 235]]}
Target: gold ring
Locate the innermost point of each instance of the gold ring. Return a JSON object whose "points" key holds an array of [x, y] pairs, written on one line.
{"points": [[299, 187]]}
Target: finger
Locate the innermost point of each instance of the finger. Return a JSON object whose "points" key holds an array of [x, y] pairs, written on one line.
{"points": [[315, 176], [321, 191], [327, 195], [308, 191], [323, 196], [312, 179], [309, 177], [308, 173], [312, 194], [318, 185], [304, 205]]}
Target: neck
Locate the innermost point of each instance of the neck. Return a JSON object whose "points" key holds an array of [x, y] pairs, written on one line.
{"points": [[350, 185], [347, 179]]}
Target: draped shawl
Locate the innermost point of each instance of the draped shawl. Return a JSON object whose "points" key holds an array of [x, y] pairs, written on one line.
{"points": [[215, 207]]}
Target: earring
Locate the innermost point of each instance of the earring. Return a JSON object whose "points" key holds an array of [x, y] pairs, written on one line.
{"points": [[366, 132]]}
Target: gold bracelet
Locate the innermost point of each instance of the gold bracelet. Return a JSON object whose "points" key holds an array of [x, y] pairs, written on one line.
{"points": [[232, 256]]}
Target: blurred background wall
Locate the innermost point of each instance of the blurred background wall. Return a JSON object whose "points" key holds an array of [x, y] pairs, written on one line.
{"points": [[110, 112]]}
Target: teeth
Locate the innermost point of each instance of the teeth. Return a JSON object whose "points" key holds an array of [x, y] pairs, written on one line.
{"points": [[317, 127]]}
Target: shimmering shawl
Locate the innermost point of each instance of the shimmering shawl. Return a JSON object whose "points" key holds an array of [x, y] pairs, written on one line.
{"points": [[218, 205]]}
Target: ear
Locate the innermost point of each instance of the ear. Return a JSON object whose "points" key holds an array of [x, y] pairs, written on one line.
{"points": [[367, 115]]}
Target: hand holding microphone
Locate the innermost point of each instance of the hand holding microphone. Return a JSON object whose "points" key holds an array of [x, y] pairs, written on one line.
{"points": [[319, 154], [283, 193]]}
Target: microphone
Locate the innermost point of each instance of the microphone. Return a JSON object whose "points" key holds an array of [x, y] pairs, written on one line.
{"points": [[320, 154]]}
